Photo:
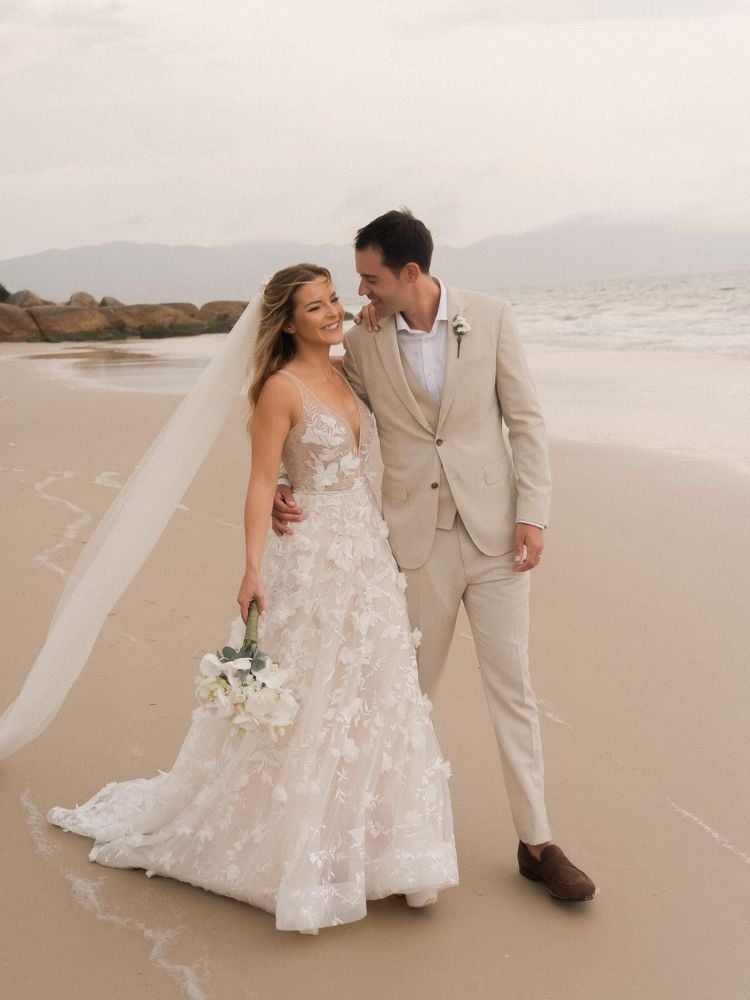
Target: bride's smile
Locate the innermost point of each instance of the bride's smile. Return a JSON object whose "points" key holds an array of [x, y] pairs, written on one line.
{"points": [[318, 314]]}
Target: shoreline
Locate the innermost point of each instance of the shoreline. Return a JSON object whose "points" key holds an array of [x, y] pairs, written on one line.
{"points": [[639, 646], [687, 405]]}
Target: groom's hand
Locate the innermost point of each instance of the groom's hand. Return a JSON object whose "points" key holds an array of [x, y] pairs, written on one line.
{"points": [[285, 510], [529, 545]]}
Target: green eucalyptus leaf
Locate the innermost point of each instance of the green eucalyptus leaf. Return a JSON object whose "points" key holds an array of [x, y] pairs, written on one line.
{"points": [[228, 653], [260, 662]]}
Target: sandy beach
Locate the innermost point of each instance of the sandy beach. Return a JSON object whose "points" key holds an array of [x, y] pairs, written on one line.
{"points": [[640, 642]]}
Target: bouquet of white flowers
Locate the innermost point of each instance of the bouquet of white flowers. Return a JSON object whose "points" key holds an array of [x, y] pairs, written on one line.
{"points": [[246, 685]]}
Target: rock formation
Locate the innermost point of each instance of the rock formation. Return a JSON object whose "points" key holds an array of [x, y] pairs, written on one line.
{"points": [[16, 324], [27, 316], [137, 319], [70, 323], [185, 307], [25, 298], [222, 312], [84, 300]]}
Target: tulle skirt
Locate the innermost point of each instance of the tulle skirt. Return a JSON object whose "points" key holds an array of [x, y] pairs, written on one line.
{"points": [[351, 802]]}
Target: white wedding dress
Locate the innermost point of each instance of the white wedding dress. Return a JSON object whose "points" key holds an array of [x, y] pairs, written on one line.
{"points": [[352, 802]]}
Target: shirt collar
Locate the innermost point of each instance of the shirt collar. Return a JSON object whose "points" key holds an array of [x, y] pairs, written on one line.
{"points": [[442, 313]]}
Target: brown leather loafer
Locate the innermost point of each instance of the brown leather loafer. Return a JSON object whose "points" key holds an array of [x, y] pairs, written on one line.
{"points": [[562, 878]]}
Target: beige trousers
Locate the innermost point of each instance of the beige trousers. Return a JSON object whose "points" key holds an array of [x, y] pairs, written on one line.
{"points": [[496, 599]]}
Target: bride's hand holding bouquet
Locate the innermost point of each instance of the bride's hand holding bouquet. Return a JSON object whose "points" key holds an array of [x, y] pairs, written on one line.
{"points": [[251, 589]]}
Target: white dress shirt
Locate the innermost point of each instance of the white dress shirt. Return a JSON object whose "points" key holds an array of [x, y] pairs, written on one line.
{"points": [[425, 349]]}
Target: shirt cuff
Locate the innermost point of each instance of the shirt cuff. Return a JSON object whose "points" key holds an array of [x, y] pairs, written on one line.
{"points": [[283, 481], [535, 524]]}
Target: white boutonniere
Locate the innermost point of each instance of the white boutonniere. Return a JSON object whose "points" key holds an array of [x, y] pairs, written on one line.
{"points": [[460, 329]]}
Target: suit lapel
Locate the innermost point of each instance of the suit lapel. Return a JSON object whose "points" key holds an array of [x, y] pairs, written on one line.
{"points": [[386, 342], [453, 363]]}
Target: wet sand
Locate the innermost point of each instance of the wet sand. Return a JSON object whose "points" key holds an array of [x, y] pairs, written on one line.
{"points": [[640, 652]]}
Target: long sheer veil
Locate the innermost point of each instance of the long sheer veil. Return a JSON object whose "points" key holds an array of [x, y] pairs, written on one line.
{"points": [[128, 532]]}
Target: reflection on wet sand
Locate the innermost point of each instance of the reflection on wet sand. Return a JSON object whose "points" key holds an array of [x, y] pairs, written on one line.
{"points": [[87, 355], [129, 367], [168, 366]]}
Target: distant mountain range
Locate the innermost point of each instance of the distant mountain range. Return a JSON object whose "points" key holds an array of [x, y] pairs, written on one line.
{"points": [[576, 249]]}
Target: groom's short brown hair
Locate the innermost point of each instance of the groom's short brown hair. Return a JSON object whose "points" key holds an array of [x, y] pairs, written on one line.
{"points": [[400, 238]]}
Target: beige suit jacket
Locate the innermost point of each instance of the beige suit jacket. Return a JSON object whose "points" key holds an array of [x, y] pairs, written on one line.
{"points": [[460, 452]]}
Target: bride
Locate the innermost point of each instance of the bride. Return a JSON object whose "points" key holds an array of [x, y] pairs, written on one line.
{"points": [[351, 803]]}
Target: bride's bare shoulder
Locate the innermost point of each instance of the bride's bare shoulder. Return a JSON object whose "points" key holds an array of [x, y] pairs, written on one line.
{"points": [[279, 393], [278, 384]]}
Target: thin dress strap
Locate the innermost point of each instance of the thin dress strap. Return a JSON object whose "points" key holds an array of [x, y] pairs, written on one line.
{"points": [[297, 381]]}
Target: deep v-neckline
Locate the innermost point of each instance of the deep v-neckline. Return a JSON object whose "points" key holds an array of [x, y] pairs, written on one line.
{"points": [[356, 438]]}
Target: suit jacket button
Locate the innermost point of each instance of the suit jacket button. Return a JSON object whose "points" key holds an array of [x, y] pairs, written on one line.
{"points": [[439, 441], [434, 486]]}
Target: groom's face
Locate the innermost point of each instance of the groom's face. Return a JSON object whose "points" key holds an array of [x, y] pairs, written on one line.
{"points": [[388, 292]]}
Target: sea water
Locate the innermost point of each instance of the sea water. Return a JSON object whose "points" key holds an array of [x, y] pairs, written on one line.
{"points": [[705, 313]]}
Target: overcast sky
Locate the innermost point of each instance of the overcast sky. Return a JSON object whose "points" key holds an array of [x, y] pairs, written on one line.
{"points": [[178, 121]]}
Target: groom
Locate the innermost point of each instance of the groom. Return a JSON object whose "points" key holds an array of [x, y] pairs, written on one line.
{"points": [[442, 372]]}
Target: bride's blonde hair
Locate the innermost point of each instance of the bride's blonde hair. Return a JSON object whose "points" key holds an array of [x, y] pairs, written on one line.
{"points": [[274, 346]]}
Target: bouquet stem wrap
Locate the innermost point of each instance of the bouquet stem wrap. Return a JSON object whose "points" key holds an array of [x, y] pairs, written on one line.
{"points": [[251, 629]]}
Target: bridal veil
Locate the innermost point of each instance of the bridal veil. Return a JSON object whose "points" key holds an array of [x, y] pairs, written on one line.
{"points": [[128, 532]]}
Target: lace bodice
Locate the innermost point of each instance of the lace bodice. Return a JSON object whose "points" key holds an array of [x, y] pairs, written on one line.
{"points": [[320, 454]]}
